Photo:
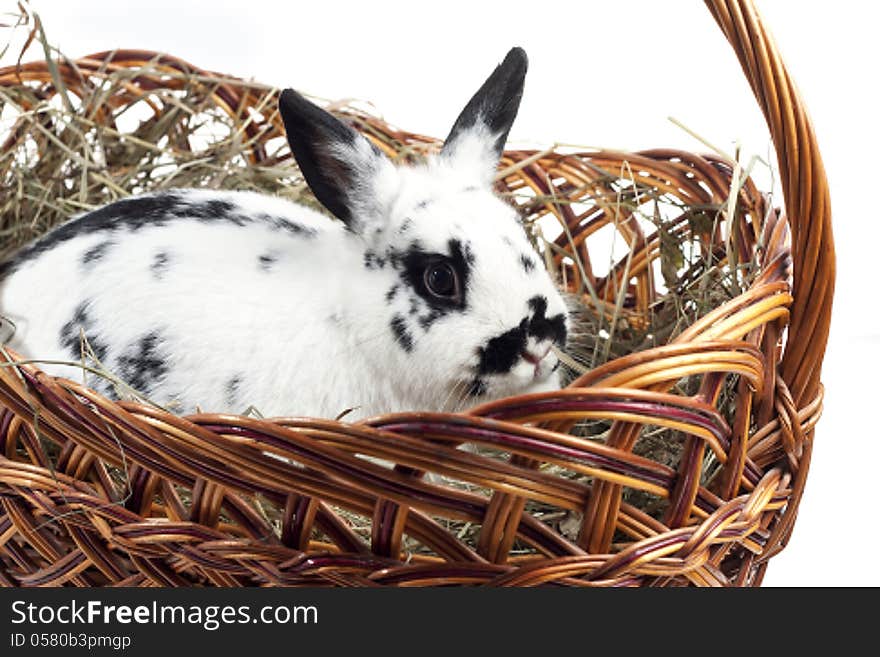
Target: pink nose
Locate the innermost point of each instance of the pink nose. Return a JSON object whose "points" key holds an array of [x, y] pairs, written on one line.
{"points": [[534, 358]]}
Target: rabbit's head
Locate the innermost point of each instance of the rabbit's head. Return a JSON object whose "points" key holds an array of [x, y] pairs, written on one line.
{"points": [[465, 296]]}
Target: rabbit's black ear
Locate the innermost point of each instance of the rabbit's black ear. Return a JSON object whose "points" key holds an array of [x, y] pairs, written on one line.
{"points": [[485, 122], [338, 163]]}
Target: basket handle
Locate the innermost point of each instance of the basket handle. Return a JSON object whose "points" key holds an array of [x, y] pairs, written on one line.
{"points": [[804, 189]]}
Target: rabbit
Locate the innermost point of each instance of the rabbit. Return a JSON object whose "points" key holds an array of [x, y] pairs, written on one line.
{"points": [[426, 294]]}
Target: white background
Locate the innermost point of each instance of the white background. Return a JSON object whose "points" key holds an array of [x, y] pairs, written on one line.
{"points": [[602, 74]]}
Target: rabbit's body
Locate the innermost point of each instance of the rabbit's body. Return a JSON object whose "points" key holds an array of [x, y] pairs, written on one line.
{"points": [[178, 294], [427, 295]]}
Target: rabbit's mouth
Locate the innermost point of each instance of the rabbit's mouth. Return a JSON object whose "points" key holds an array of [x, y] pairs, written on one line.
{"points": [[519, 346], [533, 365], [535, 357], [544, 361]]}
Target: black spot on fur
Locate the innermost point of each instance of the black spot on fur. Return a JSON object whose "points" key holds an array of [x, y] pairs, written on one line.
{"points": [[408, 223], [286, 225], [149, 210], [373, 260], [389, 296], [546, 328], [477, 388], [82, 324], [212, 210], [527, 262], [94, 254], [398, 258], [266, 261], [160, 265], [421, 205], [141, 364], [426, 321], [503, 351], [232, 388], [131, 213], [538, 304], [463, 251], [401, 333]]}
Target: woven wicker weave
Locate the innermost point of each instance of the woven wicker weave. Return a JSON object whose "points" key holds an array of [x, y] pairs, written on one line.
{"points": [[131, 495]]}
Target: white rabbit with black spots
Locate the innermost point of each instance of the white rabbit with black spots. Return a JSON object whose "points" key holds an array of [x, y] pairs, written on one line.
{"points": [[426, 295]]}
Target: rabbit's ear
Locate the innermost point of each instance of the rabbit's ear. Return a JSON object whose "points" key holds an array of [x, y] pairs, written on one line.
{"points": [[340, 166], [479, 133]]}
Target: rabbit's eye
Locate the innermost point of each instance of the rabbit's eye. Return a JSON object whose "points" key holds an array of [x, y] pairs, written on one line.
{"points": [[442, 280]]}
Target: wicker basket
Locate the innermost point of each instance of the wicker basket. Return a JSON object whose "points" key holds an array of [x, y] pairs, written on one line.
{"points": [[131, 495]]}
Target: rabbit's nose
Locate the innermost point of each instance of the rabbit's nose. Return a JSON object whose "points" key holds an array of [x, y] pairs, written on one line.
{"points": [[539, 355], [535, 355], [542, 327]]}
